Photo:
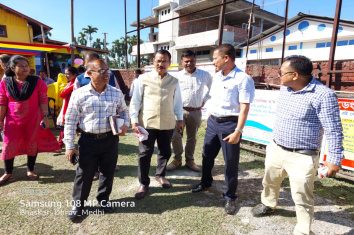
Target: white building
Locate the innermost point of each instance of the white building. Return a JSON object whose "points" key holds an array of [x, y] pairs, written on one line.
{"points": [[307, 35], [199, 32]]}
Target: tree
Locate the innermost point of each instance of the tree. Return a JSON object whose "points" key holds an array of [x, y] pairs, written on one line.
{"points": [[90, 30], [97, 44], [82, 39]]}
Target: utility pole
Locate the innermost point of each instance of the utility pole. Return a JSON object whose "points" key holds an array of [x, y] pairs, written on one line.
{"points": [[45, 53], [72, 32], [285, 29], [138, 34], [104, 46], [221, 22]]}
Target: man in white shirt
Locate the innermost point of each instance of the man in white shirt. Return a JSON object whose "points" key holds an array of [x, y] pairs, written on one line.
{"points": [[137, 73], [232, 93], [192, 82]]}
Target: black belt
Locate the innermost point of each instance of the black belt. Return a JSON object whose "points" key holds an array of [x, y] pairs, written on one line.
{"points": [[192, 109], [97, 136], [310, 152], [224, 119]]}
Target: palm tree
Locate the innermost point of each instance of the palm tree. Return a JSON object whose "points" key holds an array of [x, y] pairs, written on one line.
{"points": [[82, 39], [97, 44], [90, 30], [117, 50]]}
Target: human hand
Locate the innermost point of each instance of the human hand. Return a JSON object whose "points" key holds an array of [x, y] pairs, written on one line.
{"points": [[45, 121], [1, 126], [180, 125], [134, 125], [332, 169], [69, 153], [124, 130], [233, 138]]}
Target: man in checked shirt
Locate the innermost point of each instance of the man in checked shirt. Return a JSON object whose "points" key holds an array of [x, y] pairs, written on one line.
{"points": [[192, 82], [304, 108], [90, 107]]}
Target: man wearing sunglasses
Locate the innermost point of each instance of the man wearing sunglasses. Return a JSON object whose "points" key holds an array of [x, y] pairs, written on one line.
{"points": [[305, 108], [90, 107]]}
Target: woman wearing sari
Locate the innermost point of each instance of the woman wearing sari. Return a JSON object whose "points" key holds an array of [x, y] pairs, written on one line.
{"points": [[23, 109], [70, 74]]}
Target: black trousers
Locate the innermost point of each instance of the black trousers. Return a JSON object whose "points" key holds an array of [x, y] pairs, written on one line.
{"points": [[101, 153], [146, 149], [9, 164], [212, 144]]}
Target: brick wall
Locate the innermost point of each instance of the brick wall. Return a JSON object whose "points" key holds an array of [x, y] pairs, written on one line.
{"points": [[340, 81]]}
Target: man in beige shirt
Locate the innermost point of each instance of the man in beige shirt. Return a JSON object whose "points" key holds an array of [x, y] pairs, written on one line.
{"points": [[155, 104]]}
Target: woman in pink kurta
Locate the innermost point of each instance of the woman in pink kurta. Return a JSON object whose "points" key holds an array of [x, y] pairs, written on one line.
{"points": [[23, 101]]}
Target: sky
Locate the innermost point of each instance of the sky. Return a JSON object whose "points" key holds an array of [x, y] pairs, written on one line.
{"points": [[108, 15]]}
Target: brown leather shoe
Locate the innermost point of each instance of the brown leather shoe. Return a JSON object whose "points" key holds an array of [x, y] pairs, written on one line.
{"points": [[193, 166], [163, 181], [174, 165], [141, 192]]}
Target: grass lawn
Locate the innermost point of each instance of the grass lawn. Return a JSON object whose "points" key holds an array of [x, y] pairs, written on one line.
{"points": [[163, 211]]}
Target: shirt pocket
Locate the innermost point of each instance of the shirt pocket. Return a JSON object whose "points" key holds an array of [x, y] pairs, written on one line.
{"points": [[111, 107], [226, 94]]}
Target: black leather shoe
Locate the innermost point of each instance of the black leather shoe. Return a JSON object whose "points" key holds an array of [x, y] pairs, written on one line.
{"points": [[106, 205], [74, 212], [199, 187], [230, 207]]}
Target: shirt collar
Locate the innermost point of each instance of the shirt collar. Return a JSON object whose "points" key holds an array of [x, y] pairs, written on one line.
{"points": [[309, 87], [185, 71], [232, 74], [86, 75], [90, 88]]}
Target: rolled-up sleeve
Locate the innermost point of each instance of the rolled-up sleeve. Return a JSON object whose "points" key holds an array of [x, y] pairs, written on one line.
{"points": [[246, 90]]}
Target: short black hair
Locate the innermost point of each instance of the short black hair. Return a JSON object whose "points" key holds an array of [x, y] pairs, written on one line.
{"points": [[137, 71], [43, 71], [5, 58], [73, 70], [301, 64], [187, 53], [227, 49], [163, 52], [81, 69]]}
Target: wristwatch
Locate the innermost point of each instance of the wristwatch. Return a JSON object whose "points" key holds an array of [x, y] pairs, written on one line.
{"points": [[239, 130], [46, 115]]}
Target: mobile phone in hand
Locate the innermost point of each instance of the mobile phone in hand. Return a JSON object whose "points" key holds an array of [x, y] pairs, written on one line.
{"points": [[43, 125], [224, 135], [180, 131], [74, 159]]}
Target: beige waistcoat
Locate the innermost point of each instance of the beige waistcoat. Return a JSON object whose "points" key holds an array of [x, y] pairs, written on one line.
{"points": [[157, 110]]}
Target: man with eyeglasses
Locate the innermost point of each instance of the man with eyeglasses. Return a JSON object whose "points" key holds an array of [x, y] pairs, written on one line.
{"points": [[156, 105], [43, 76], [90, 107], [305, 107]]}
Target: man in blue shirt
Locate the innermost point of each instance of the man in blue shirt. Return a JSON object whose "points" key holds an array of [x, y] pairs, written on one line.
{"points": [[231, 93], [305, 108], [43, 76]]}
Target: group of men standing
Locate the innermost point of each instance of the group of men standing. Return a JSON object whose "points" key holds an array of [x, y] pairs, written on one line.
{"points": [[165, 105]]}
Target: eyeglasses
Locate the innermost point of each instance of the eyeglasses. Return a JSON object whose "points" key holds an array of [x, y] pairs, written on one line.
{"points": [[101, 71], [282, 74]]}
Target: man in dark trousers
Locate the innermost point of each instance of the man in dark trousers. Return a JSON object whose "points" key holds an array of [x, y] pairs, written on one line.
{"points": [[90, 107], [231, 93]]}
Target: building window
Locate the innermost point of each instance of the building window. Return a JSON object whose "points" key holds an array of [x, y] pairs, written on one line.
{"points": [[320, 45], [165, 12], [168, 10], [253, 51], [269, 49], [342, 43], [328, 44], [351, 42], [161, 12], [168, 47], [292, 48], [3, 32]]}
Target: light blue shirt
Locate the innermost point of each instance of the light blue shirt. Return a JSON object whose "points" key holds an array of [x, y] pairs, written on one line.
{"points": [[48, 81], [136, 101], [228, 92], [301, 116]]}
